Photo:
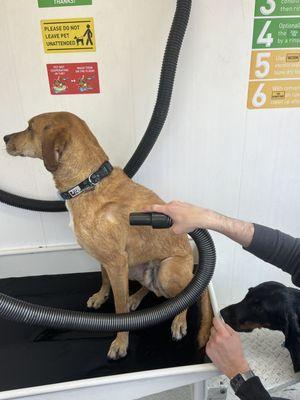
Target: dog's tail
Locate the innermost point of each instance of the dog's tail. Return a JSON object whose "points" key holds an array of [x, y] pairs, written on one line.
{"points": [[206, 318]]}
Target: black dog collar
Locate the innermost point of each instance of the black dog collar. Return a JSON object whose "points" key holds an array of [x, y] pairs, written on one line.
{"points": [[89, 183]]}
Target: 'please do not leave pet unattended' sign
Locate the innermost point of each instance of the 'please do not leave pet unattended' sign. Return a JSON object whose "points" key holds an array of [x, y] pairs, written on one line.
{"points": [[68, 35]]}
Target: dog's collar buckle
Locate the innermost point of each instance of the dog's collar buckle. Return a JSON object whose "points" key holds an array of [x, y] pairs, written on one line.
{"points": [[92, 180]]}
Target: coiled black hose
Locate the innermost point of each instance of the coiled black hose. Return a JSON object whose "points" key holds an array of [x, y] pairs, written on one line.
{"points": [[32, 204], [156, 123], [165, 90], [21, 311]]}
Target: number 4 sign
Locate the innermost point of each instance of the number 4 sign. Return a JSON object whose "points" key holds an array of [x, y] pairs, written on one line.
{"points": [[264, 38]]}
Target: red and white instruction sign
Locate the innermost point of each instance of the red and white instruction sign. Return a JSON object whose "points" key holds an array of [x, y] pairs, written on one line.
{"points": [[79, 78]]}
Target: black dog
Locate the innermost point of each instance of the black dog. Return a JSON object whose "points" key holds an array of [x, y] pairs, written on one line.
{"points": [[269, 305]]}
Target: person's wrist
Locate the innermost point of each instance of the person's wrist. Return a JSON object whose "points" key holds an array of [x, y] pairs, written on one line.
{"points": [[240, 380], [215, 221], [242, 368]]}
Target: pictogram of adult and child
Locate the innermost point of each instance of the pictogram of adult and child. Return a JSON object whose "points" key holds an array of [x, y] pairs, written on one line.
{"points": [[88, 34]]}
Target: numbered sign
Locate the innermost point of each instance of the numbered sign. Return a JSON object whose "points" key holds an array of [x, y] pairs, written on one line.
{"points": [[265, 8], [274, 94], [276, 33], [276, 55], [275, 64]]}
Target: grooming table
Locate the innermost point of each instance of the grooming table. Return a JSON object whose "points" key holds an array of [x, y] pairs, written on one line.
{"points": [[55, 364]]}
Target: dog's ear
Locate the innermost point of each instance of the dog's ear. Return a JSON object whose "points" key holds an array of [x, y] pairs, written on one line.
{"points": [[291, 324], [54, 143]]}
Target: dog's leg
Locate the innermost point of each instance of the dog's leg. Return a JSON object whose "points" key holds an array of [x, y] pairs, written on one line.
{"points": [[117, 271], [175, 273], [99, 298], [206, 319], [136, 298], [179, 326]]}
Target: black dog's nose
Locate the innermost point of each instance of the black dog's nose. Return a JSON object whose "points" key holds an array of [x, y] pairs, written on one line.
{"points": [[6, 138]]}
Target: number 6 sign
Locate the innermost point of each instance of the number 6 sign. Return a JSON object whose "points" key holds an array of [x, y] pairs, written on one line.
{"points": [[259, 99]]}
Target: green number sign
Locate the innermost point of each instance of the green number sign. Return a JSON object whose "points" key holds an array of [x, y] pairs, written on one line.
{"points": [[268, 8], [276, 33]]}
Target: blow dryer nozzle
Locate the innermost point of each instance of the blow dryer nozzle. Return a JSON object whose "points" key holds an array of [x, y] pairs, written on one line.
{"points": [[156, 220]]}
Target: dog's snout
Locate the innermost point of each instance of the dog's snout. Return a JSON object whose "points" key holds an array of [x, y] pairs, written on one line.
{"points": [[6, 138], [229, 315]]}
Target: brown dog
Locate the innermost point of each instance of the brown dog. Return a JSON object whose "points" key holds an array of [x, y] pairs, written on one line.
{"points": [[160, 260]]}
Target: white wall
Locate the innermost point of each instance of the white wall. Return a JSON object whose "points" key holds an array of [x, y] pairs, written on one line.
{"points": [[212, 151], [216, 153], [25, 93]]}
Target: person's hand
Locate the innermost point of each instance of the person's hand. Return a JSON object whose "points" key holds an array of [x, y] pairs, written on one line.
{"points": [[186, 217], [225, 349]]}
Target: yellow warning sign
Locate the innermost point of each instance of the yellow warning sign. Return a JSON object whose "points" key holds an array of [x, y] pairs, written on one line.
{"points": [[68, 35]]}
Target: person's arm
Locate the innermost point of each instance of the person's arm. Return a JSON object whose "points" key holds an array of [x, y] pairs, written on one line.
{"points": [[187, 217], [253, 389], [268, 244], [277, 248], [225, 350]]}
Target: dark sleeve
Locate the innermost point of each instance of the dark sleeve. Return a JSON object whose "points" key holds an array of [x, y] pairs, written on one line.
{"points": [[253, 389], [277, 248]]}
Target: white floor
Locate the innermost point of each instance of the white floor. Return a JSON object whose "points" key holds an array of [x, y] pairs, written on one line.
{"points": [[267, 357], [291, 392], [185, 393]]}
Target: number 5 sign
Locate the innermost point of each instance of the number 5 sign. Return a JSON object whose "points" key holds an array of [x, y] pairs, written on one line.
{"points": [[261, 65]]}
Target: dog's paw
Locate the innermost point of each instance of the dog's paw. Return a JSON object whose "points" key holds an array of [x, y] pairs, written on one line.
{"points": [[118, 349], [97, 300], [179, 327], [134, 302]]}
